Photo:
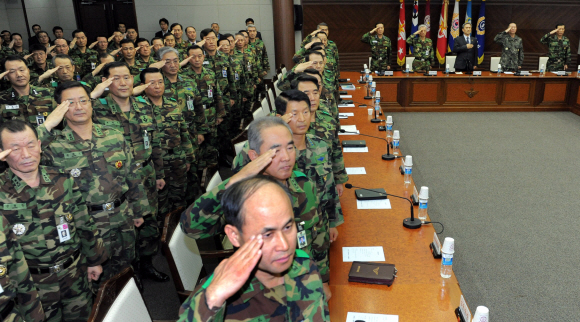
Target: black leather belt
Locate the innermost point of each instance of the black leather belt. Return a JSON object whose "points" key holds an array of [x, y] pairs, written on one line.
{"points": [[56, 268], [8, 309], [108, 206]]}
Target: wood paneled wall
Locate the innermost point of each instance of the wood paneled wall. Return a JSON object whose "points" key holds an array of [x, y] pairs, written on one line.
{"points": [[349, 20]]}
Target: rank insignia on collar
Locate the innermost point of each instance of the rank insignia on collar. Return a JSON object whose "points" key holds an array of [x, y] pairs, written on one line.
{"points": [[119, 164], [75, 172], [69, 217], [19, 229], [3, 271], [45, 113]]}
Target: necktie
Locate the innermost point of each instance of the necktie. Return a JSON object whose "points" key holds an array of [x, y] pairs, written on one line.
{"points": [[468, 40]]}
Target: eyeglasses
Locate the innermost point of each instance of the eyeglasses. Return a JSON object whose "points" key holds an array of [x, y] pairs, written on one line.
{"points": [[81, 102]]}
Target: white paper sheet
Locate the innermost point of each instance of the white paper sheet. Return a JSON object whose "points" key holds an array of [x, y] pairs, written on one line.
{"points": [[365, 149], [508, 73], [342, 117], [363, 254], [346, 105], [370, 317], [345, 96], [357, 170], [348, 87], [346, 114], [373, 204], [348, 128]]}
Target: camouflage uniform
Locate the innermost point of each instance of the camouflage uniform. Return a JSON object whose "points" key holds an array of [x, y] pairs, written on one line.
{"points": [[331, 51], [512, 53], [18, 289], [213, 105], [139, 127], [32, 108], [34, 214], [85, 62], [10, 51], [302, 298], [36, 71], [380, 49], [185, 92], [182, 48], [176, 142], [424, 54], [262, 56], [326, 128], [559, 53], [103, 168], [247, 60], [134, 69], [235, 114]]}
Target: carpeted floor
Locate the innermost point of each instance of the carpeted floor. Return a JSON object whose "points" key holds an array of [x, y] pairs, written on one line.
{"points": [[506, 187]]}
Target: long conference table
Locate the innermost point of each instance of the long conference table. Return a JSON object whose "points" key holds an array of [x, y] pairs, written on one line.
{"points": [[418, 293]]}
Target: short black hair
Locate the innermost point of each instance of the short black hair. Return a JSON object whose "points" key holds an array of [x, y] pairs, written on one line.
{"points": [[106, 71], [126, 41], [74, 33], [3, 31], [55, 28], [167, 35], [292, 95], [35, 25], [15, 34], [150, 70], [13, 58], [310, 52], [228, 35], [141, 40], [303, 78], [68, 85], [233, 199], [248, 20], [175, 24], [317, 48], [206, 31], [222, 39], [163, 20], [243, 31], [44, 32], [560, 24], [190, 27], [379, 23], [316, 44], [193, 47], [153, 39], [321, 33], [131, 28], [312, 71], [15, 126], [37, 47]]}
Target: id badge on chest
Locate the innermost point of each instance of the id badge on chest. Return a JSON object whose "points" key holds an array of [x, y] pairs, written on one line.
{"points": [[224, 73], [39, 119], [190, 104], [249, 67], [146, 140], [302, 241], [210, 92], [93, 65], [237, 76], [63, 231]]}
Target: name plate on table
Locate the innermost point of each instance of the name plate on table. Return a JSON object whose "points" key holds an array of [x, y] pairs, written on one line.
{"points": [[433, 73], [389, 73], [561, 73], [477, 73], [525, 73]]}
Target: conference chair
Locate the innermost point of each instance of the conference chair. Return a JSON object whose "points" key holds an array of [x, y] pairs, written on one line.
{"points": [[216, 179], [450, 60], [265, 106], [184, 257], [284, 69], [238, 141], [409, 60], [276, 89], [271, 99], [259, 113], [543, 61], [207, 175], [119, 299], [494, 61]]}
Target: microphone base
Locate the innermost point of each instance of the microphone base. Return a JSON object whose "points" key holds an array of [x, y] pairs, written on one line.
{"points": [[376, 120], [368, 97], [388, 157], [414, 223]]}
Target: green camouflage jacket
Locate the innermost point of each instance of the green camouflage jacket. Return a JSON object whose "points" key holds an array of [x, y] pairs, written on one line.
{"points": [[173, 128], [249, 75], [220, 65], [184, 91], [212, 98], [380, 49], [36, 71], [328, 82], [559, 51], [423, 49], [103, 167], [35, 213], [32, 108], [85, 62], [262, 56], [139, 128], [302, 300], [15, 279], [332, 52], [326, 128], [512, 52]]}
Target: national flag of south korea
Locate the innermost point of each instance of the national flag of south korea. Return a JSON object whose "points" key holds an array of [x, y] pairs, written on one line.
{"points": [[454, 26], [442, 34], [402, 38], [428, 18], [415, 21]]}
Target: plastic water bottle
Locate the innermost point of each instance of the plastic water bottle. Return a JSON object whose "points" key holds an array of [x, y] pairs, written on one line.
{"points": [[408, 169], [396, 138], [377, 103], [447, 69], [367, 75], [498, 69], [542, 70], [407, 68], [423, 200], [373, 89], [578, 74], [389, 128], [447, 252]]}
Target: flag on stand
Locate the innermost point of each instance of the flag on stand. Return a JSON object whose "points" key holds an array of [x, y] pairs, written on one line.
{"points": [[415, 21], [468, 14], [428, 18], [402, 38], [442, 34], [481, 32], [454, 26]]}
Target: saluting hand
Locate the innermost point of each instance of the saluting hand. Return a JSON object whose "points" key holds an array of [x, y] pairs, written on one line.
{"points": [[308, 45], [98, 69], [253, 168], [115, 52], [48, 73], [72, 43], [232, 273], [111, 38], [4, 154], [158, 64], [554, 31], [56, 116], [11, 44], [286, 117], [201, 43], [100, 89], [93, 45], [374, 30], [4, 74], [303, 66], [137, 90], [49, 49], [27, 56], [185, 61]]}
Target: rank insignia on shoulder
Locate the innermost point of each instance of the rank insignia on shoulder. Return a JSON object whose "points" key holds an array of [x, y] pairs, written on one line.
{"points": [[119, 164], [3, 271], [19, 229]]}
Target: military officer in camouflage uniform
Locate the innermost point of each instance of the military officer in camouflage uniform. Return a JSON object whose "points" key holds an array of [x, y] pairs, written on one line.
{"points": [[259, 220], [22, 100], [380, 47], [512, 51], [169, 41], [129, 53], [94, 78], [101, 162], [247, 58], [84, 58], [331, 50], [225, 46], [19, 300], [39, 64], [175, 141], [424, 54], [260, 48], [212, 99], [64, 71], [185, 92], [180, 44], [299, 55], [144, 58], [49, 216], [134, 117], [559, 52]]}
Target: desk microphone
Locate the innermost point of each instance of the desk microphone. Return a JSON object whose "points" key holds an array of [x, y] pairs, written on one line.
{"points": [[411, 223], [387, 156]]}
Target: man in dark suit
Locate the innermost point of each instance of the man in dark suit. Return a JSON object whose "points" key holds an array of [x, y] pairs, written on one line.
{"points": [[216, 28], [466, 48], [34, 39], [164, 24]]}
